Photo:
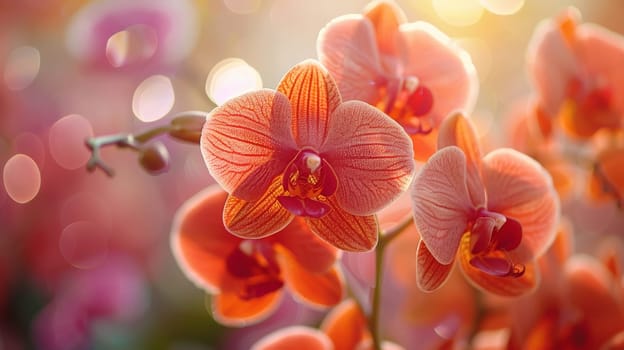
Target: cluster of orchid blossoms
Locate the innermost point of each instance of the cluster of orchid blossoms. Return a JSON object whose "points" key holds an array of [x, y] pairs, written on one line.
{"points": [[357, 184]]}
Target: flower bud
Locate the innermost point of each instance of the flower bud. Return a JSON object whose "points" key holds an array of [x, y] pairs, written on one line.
{"points": [[155, 158], [188, 127]]}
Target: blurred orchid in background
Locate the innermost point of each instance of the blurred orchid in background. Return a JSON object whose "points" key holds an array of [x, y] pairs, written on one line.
{"points": [[157, 195]]}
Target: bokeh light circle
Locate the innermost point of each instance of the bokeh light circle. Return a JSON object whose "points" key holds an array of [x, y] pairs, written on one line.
{"points": [[66, 141], [458, 12], [502, 7], [230, 78], [153, 98], [21, 67], [84, 244], [22, 178]]}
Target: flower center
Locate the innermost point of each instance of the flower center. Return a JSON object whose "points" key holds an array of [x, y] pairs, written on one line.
{"points": [[255, 264], [308, 180], [408, 102], [492, 236]]}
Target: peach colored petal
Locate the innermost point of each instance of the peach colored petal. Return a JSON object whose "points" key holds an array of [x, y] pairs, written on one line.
{"points": [[199, 240], [260, 218], [345, 325], [430, 274], [552, 63], [230, 310], [504, 286], [316, 289], [371, 155], [314, 96], [441, 203], [247, 142], [442, 66], [346, 46], [607, 178], [518, 187], [602, 52], [294, 337], [386, 16], [424, 145], [457, 130], [308, 250], [346, 231]]}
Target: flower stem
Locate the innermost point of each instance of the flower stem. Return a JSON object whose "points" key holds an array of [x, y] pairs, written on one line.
{"points": [[384, 240]]}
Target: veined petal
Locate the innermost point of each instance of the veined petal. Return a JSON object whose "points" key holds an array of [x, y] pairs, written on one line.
{"points": [[314, 96], [294, 337], [346, 46], [345, 325], [346, 231], [442, 66], [386, 16], [260, 218], [322, 289], [230, 310], [430, 274], [200, 242], [458, 130], [504, 286], [519, 188], [247, 142], [441, 203], [308, 250], [371, 155]]}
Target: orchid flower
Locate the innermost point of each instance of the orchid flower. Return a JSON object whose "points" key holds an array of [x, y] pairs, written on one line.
{"points": [[498, 213], [576, 70], [247, 277], [301, 152], [411, 71]]}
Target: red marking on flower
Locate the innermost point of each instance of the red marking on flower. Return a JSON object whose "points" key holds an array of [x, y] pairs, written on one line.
{"points": [[254, 262], [308, 180]]}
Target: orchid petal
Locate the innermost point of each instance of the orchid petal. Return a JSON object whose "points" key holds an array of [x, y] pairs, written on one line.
{"points": [[441, 203], [442, 66], [459, 131], [371, 155], [315, 289], [511, 286], [294, 337], [308, 250], [346, 231], [430, 274], [345, 325], [386, 16], [260, 218], [200, 242], [247, 142], [314, 96], [346, 46], [231, 310], [519, 188], [424, 145]]}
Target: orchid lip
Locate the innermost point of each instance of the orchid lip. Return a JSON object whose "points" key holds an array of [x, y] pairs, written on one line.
{"points": [[254, 263]]}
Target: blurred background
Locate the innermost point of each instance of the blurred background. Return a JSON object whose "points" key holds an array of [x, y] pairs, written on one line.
{"points": [[85, 261]]}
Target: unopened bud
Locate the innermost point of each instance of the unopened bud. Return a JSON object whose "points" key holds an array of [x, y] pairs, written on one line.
{"points": [[155, 158], [188, 127]]}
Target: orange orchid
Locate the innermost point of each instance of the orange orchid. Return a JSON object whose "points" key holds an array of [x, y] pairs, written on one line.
{"points": [[576, 69], [247, 277], [411, 71], [301, 152], [497, 213]]}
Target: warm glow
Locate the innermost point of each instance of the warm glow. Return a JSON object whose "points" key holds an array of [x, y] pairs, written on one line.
{"points": [[243, 7], [458, 12], [21, 67], [135, 44], [22, 178], [230, 78], [153, 99], [502, 7], [66, 140]]}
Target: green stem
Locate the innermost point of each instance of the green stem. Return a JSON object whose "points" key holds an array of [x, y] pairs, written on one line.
{"points": [[384, 240]]}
